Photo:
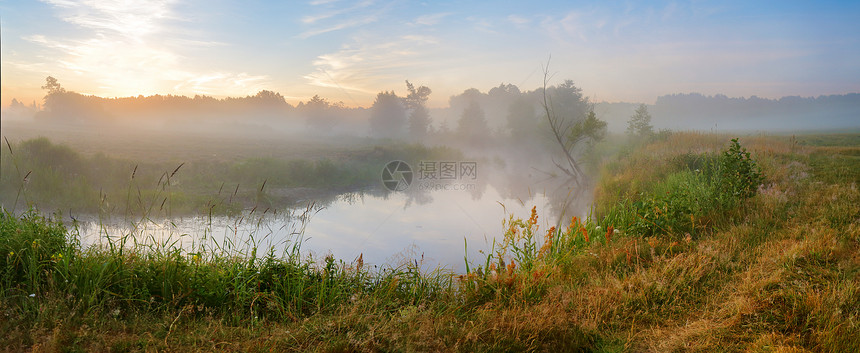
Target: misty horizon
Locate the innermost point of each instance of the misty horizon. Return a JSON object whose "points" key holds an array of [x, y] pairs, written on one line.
{"points": [[693, 110], [295, 102], [625, 52]]}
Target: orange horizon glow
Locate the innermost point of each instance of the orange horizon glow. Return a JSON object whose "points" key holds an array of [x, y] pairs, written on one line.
{"points": [[633, 52]]}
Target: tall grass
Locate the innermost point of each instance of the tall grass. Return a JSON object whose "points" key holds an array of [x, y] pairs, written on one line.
{"points": [[688, 196], [680, 240], [241, 278], [772, 270], [238, 283], [53, 177]]}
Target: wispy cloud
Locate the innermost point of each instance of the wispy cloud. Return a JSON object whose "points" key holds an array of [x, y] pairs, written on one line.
{"points": [[416, 38], [333, 12], [519, 21], [217, 82], [323, 2], [430, 19], [366, 65], [129, 48], [482, 24], [333, 19], [596, 27], [572, 26], [339, 25], [129, 18]]}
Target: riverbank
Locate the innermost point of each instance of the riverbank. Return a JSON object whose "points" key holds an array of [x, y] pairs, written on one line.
{"points": [[57, 177], [773, 267]]}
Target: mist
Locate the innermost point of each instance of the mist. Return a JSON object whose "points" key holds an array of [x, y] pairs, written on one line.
{"points": [[505, 124], [719, 113], [498, 112], [490, 153]]}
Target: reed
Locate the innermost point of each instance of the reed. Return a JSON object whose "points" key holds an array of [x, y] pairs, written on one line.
{"points": [[774, 270]]}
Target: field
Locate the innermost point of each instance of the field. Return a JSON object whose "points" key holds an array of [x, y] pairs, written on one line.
{"points": [[80, 170], [696, 243]]}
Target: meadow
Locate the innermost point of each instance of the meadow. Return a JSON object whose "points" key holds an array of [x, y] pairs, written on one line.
{"points": [[82, 171], [696, 242]]}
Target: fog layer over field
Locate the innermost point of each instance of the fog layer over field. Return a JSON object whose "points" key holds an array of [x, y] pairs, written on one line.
{"points": [[474, 114], [166, 156]]}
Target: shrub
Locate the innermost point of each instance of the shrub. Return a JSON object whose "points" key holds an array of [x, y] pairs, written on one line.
{"points": [[688, 200], [738, 173]]}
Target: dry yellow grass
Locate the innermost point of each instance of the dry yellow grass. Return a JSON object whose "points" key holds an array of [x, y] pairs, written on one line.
{"points": [[779, 274]]}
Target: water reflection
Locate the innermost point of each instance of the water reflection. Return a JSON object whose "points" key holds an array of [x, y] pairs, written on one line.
{"points": [[404, 226], [427, 225]]}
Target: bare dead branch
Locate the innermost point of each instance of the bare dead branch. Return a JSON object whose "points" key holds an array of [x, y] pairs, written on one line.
{"points": [[559, 126]]}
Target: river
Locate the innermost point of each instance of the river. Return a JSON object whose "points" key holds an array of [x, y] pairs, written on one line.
{"points": [[436, 227]]}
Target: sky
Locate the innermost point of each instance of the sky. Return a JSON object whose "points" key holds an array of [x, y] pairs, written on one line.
{"points": [[630, 51]]}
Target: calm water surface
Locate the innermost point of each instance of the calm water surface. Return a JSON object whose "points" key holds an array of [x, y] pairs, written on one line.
{"points": [[431, 228]]}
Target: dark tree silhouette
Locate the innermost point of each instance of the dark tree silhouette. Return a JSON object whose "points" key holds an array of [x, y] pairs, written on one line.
{"points": [[523, 120], [318, 113], [387, 115], [53, 86], [419, 116], [639, 125], [419, 122], [70, 106], [472, 125]]}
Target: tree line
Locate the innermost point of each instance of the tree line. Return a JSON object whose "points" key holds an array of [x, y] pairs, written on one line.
{"points": [[698, 111], [505, 110], [472, 115]]}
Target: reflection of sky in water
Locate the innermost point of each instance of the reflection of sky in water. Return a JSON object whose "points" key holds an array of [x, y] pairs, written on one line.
{"points": [[386, 230]]}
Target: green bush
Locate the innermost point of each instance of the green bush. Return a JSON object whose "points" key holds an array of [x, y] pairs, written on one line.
{"points": [[738, 174], [689, 200]]}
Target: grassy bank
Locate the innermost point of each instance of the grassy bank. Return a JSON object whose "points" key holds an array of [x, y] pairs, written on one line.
{"points": [[57, 177], [697, 243]]}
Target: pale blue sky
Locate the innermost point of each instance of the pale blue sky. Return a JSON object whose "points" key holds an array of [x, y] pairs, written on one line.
{"points": [[349, 50]]}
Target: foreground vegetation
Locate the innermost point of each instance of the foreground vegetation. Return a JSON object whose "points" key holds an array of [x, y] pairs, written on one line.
{"points": [[696, 243]]}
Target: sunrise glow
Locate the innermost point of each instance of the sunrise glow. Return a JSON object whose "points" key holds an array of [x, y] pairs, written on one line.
{"points": [[348, 51]]}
